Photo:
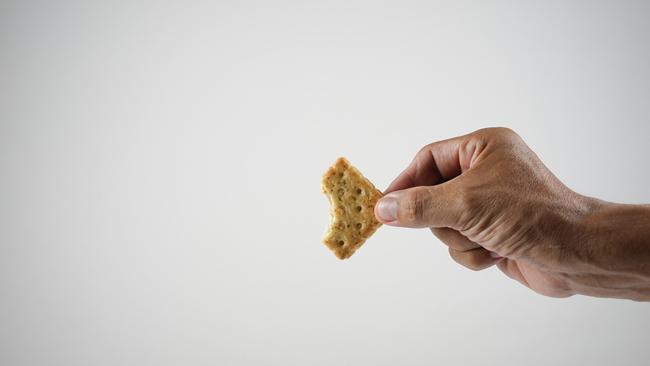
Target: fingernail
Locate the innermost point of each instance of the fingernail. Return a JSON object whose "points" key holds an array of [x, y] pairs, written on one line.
{"points": [[387, 209]]}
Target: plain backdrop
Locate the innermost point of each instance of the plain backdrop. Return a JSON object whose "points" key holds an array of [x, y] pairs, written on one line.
{"points": [[160, 167]]}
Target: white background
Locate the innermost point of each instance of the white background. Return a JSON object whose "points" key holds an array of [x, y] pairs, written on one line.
{"points": [[160, 168]]}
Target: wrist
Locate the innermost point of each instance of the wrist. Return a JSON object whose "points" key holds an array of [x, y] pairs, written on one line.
{"points": [[612, 249], [618, 238]]}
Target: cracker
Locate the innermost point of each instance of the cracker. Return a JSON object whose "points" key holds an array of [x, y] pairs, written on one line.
{"points": [[352, 201]]}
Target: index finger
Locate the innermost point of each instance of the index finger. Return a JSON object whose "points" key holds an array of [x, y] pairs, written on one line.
{"points": [[433, 164]]}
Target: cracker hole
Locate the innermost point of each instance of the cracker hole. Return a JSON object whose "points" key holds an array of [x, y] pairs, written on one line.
{"points": [[359, 191], [340, 243], [359, 208], [358, 225]]}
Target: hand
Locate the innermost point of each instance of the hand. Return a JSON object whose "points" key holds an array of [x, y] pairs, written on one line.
{"points": [[490, 199]]}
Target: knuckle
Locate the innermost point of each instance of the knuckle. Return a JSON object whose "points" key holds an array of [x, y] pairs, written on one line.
{"points": [[443, 235], [505, 131], [412, 207], [454, 255], [508, 136], [472, 260], [499, 134], [422, 152], [425, 149]]}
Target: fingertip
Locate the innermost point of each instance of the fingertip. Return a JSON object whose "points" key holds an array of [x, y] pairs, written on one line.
{"points": [[476, 259], [386, 209]]}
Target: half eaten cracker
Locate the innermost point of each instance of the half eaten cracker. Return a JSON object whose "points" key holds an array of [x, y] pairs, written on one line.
{"points": [[352, 201]]}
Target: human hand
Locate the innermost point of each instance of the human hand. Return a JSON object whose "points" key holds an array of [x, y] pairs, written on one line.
{"points": [[491, 200]]}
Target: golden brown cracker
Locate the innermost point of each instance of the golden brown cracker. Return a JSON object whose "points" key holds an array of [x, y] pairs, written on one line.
{"points": [[352, 201]]}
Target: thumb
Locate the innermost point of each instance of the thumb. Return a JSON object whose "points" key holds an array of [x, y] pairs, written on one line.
{"points": [[417, 207]]}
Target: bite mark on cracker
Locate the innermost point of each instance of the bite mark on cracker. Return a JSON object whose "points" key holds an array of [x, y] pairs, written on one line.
{"points": [[352, 201]]}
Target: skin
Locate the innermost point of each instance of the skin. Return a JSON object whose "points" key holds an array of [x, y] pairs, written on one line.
{"points": [[492, 201]]}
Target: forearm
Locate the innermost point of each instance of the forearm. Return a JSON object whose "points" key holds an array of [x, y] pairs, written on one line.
{"points": [[615, 246]]}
